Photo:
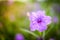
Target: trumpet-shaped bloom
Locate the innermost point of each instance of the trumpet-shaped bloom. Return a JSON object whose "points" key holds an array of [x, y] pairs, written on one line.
{"points": [[39, 21]]}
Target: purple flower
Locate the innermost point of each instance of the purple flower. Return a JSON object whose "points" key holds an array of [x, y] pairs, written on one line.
{"points": [[39, 21], [56, 8], [51, 39], [19, 37], [55, 19], [40, 38]]}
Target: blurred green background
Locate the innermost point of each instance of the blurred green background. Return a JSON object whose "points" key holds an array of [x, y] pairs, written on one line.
{"points": [[14, 19]]}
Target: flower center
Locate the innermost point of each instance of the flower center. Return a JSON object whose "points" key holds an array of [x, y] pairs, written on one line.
{"points": [[39, 20]]}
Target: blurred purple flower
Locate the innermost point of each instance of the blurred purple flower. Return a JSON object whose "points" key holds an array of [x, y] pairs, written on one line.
{"points": [[19, 37], [40, 38], [51, 39], [55, 19], [39, 21], [56, 8], [36, 6]]}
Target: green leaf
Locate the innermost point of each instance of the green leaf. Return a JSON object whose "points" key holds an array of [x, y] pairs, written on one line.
{"points": [[27, 31]]}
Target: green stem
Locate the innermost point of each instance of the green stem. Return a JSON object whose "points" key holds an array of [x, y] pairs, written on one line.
{"points": [[43, 35]]}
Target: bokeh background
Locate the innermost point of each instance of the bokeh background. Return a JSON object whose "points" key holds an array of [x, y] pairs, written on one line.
{"points": [[14, 19]]}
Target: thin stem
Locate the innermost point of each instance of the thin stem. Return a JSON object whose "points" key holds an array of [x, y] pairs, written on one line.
{"points": [[43, 35]]}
